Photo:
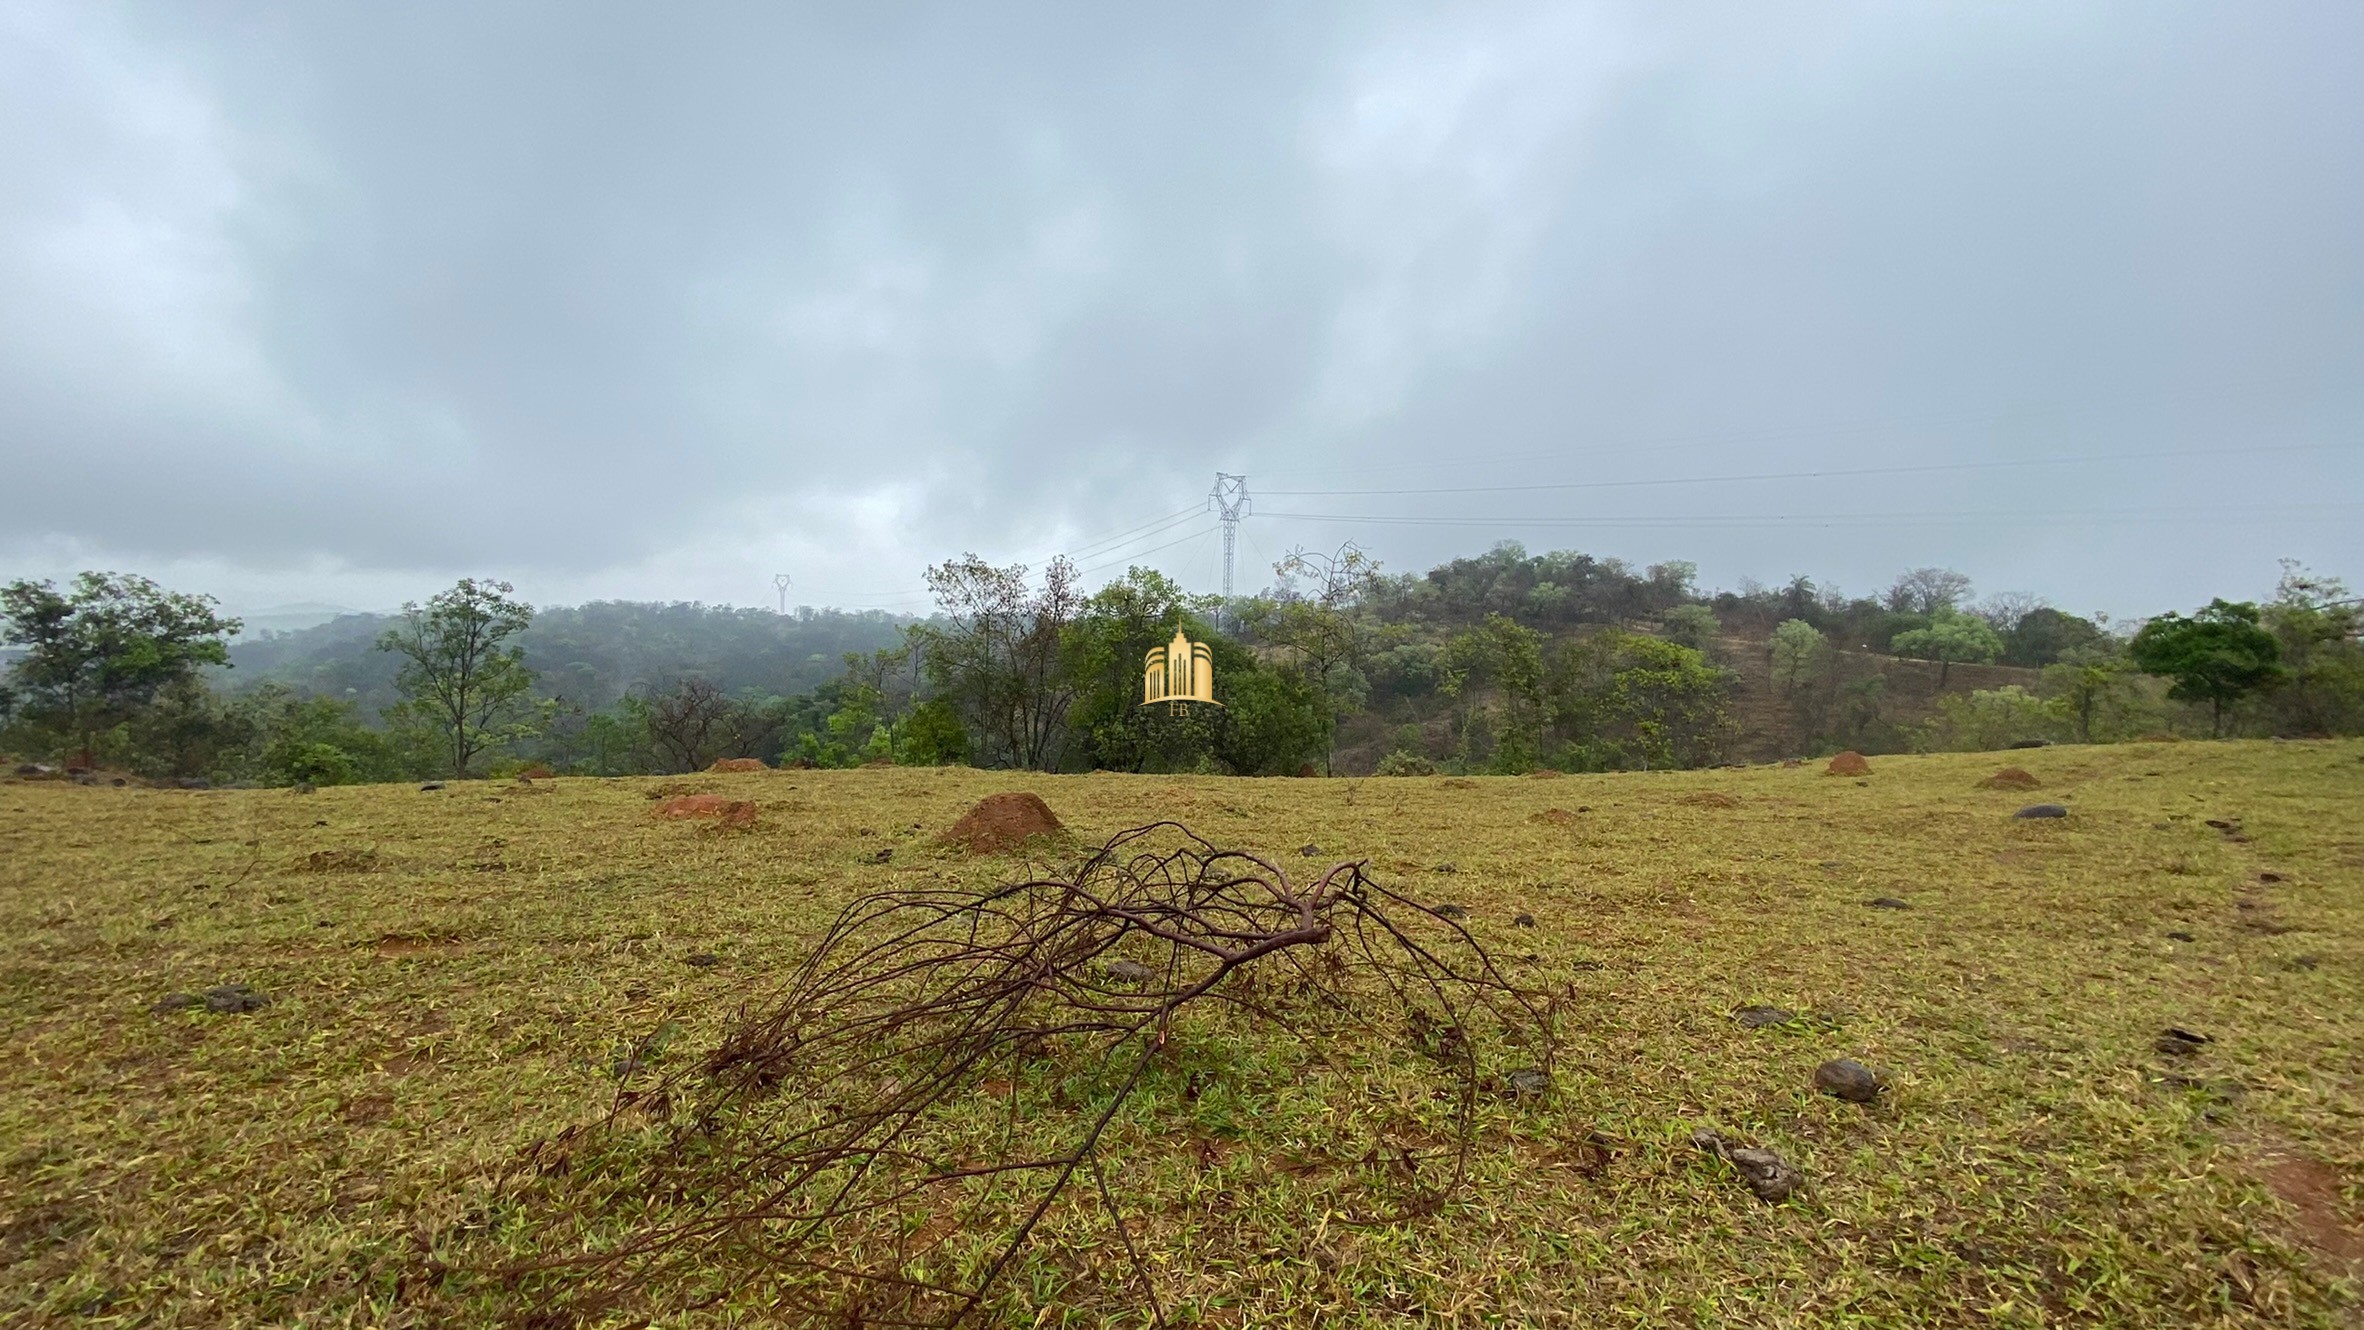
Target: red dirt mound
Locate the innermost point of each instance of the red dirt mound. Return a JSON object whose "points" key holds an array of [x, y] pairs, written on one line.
{"points": [[1849, 763], [739, 764], [725, 812], [2010, 778], [1003, 822]]}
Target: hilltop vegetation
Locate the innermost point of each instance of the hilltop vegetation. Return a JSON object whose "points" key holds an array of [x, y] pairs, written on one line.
{"points": [[1502, 662], [439, 983]]}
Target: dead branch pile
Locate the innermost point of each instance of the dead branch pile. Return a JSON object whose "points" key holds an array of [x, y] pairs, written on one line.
{"points": [[854, 1143]]}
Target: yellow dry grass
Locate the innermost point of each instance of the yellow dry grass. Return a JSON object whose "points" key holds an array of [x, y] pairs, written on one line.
{"points": [[453, 973]]}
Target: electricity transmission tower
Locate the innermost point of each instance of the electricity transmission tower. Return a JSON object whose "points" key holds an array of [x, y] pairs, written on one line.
{"points": [[780, 582], [1230, 499]]}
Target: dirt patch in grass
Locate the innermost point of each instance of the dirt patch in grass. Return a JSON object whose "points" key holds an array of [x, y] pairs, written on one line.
{"points": [[340, 861], [1002, 822], [2312, 1190], [1708, 799], [395, 945], [1849, 763], [725, 812], [2011, 778]]}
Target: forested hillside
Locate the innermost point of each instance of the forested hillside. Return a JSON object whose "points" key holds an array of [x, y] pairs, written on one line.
{"points": [[1501, 662]]}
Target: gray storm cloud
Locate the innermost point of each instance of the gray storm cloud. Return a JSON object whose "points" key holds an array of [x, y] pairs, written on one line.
{"points": [[342, 301]]}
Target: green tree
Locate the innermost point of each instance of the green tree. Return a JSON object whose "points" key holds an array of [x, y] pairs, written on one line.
{"points": [[1317, 618], [2319, 629], [1950, 637], [99, 654], [2044, 635], [459, 683], [1990, 718], [2098, 694], [2218, 656], [998, 655], [1623, 699], [1692, 626], [1495, 672], [1798, 650]]}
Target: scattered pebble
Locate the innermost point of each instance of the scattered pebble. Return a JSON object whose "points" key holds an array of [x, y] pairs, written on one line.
{"points": [[1757, 1018], [1309, 850], [702, 959], [1452, 912], [2179, 935], [1448, 868], [1767, 1174], [1129, 971], [1887, 903], [884, 855], [1524, 921], [2269, 877], [2180, 1043], [2042, 810], [1845, 1078], [1528, 1081], [171, 1002], [431, 785], [231, 998]]}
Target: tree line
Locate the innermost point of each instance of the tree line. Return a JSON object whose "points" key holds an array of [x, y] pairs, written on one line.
{"points": [[1501, 662]]}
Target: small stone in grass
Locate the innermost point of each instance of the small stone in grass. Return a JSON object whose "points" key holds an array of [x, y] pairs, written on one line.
{"points": [[702, 959], [2176, 1042], [1528, 1081], [172, 1002], [2042, 810], [1451, 912], [430, 786], [1309, 849], [1845, 1078], [2269, 877], [231, 998], [1524, 921], [1130, 972], [2180, 936], [1757, 1018], [1887, 903], [1448, 868], [1767, 1174]]}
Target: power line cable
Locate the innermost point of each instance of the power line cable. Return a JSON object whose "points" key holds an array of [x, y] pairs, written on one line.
{"points": [[1921, 469]]}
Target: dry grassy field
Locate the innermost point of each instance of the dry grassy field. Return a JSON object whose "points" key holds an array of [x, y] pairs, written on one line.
{"points": [[456, 975]]}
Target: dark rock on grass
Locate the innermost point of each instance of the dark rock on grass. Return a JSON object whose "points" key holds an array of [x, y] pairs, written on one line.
{"points": [[431, 786], [234, 998], [2180, 936], [2031, 743], [1309, 850], [1767, 1174], [1528, 1082], [883, 856], [1448, 868], [702, 959], [1757, 1018], [1451, 911], [2176, 1042], [30, 770], [1887, 903], [1129, 972], [2043, 810], [2269, 877], [1845, 1078], [2307, 962], [172, 1002], [1524, 921]]}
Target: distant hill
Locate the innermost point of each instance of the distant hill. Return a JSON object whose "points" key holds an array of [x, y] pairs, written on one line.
{"points": [[591, 655]]}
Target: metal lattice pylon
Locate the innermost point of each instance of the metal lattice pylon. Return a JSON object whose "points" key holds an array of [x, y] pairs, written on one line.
{"points": [[1230, 499]]}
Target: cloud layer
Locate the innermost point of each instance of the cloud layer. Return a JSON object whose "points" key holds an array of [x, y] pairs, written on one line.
{"points": [[338, 303]]}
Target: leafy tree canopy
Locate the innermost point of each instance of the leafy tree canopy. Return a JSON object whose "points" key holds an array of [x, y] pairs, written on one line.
{"points": [[2218, 655]]}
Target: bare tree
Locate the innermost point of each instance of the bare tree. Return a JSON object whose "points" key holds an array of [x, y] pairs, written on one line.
{"points": [[692, 722], [1314, 617], [2004, 609], [1928, 590]]}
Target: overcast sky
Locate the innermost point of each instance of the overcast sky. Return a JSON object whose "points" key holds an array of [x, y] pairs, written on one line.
{"points": [[339, 302]]}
